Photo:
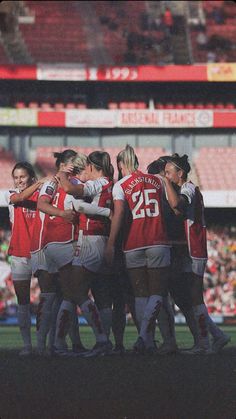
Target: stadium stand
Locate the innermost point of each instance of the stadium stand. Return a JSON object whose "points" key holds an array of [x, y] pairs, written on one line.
{"points": [[214, 41], [212, 173], [61, 32], [220, 275], [57, 34], [125, 105], [3, 55]]}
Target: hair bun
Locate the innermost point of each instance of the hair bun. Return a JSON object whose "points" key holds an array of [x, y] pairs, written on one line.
{"points": [[56, 154]]}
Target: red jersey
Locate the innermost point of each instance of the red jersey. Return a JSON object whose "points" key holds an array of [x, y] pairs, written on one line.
{"points": [[22, 218], [57, 230], [195, 228], [99, 192], [143, 194]]}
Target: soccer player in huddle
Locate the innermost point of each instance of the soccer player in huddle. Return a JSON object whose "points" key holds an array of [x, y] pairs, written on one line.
{"points": [[146, 247], [91, 244], [189, 203], [22, 202]]}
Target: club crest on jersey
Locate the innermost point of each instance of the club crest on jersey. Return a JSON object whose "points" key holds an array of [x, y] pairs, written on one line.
{"points": [[49, 190]]}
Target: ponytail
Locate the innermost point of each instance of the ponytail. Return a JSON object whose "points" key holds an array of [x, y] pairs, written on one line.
{"points": [[64, 157], [128, 158], [101, 161]]}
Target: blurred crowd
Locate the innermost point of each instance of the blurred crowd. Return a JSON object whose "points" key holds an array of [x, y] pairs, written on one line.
{"points": [[219, 279], [220, 275]]}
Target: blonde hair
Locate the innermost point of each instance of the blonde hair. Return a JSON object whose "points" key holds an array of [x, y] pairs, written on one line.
{"points": [[79, 162], [128, 158]]}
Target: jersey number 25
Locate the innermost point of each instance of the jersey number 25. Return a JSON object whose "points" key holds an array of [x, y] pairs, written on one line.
{"points": [[145, 205]]}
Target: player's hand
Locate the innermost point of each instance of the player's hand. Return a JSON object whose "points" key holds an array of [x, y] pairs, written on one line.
{"points": [[69, 215], [109, 254], [69, 168]]}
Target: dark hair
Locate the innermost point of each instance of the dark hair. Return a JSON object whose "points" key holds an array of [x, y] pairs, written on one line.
{"points": [[63, 157], [180, 162], [101, 161], [25, 166], [157, 166]]}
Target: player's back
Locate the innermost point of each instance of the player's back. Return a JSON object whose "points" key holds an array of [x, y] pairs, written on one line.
{"points": [[144, 196]]}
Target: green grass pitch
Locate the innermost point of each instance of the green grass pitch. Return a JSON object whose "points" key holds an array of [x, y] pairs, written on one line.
{"points": [[10, 336], [129, 387]]}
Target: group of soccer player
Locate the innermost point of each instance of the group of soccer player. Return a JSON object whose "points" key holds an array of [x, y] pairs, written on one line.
{"points": [[105, 247]]}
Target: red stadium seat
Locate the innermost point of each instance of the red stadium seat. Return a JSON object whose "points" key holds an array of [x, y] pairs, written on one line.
{"points": [[189, 105], [141, 105], [20, 105], [112, 105], [45, 106], [229, 105], [159, 106], [199, 106], [59, 106], [209, 106], [70, 105], [81, 106], [33, 105], [219, 106], [169, 106]]}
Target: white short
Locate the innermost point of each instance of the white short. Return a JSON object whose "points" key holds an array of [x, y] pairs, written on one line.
{"points": [[91, 253], [21, 268], [38, 262], [152, 257], [58, 255], [197, 266]]}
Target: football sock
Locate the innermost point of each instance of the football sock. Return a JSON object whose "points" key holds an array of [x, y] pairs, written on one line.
{"points": [[151, 312], [140, 305], [106, 318], [74, 328], [166, 321], [43, 318], [201, 315], [91, 314], [118, 322], [214, 330], [52, 332], [192, 324], [63, 323], [24, 321]]}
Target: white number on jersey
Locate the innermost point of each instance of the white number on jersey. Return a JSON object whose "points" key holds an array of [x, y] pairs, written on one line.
{"points": [[141, 198], [55, 204]]}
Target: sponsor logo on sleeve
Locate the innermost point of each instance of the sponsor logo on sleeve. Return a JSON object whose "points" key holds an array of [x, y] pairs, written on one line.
{"points": [[49, 190]]}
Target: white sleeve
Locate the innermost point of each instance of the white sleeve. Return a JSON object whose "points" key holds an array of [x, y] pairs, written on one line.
{"points": [[49, 189], [9, 194], [94, 187], [188, 190], [90, 209], [118, 193]]}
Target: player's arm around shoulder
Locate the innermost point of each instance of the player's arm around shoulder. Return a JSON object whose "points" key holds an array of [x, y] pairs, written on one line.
{"points": [[70, 188], [18, 197]]}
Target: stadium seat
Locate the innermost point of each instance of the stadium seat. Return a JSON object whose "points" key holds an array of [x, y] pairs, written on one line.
{"points": [[33, 105], [59, 106], [70, 106], [112, 105], [209, 175], [20, 105]]}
